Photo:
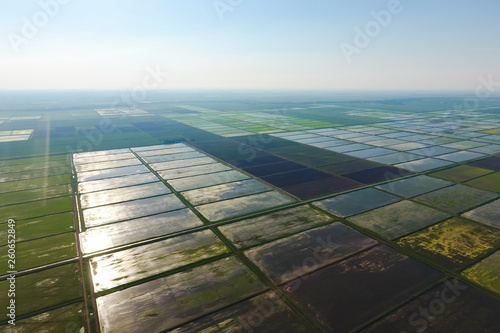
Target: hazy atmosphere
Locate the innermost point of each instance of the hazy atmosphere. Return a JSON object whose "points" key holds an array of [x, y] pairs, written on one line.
{"points": [[280, 44]]}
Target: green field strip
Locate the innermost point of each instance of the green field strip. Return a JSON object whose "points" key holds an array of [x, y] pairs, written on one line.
{"points": [[48, 288], [36, 209], [41, 251], [33, 195], [32, 166], [39, 227], [69, 318], [38, 173], [34, 183]]}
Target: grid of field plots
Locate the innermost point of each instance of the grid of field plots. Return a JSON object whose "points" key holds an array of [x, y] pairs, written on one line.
{"points": [[412, 150], [388, 227], [122, 112], [37, 194], [19, 135], [245, 123], [132, 204], [159, 258]]}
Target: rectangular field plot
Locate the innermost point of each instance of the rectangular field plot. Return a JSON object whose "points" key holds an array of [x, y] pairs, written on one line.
{"points": [[460, 156], [35, 194], [321, 187], [270, 169], [60, 170], [176, 299], [490, 182], [42, 251], [19, 135], [161, 149], [131, 231], [395, 158], [457, 198], [45, 289], [112, 196], [182, 163], [489, 149], [432, 151], [454, 243], [111, 173], [461, 173], [252, 203], [291, 257], [159, 159], [356, 202], [131, 210], [115, 183], [102, 157], [70, 317], [39, 227], [295, 177], [193, 171], [106, 165], [194, 182], [486, 273], [458, 304], [122, 267], [411, 187], [279, 319], [346, 294], [349, 166], [398, 219], [106, 155], [376, 175], [36, 208], [487, 214], [258, 161], [253, 231], [225, 191], [30, 164], [424, 164], [372, 152]]}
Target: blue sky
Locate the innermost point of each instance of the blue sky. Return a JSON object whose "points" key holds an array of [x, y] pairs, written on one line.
{"points": [[273, 44]]}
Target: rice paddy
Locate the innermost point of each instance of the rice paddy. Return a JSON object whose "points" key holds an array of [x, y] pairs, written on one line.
{"points": [[251, 221]]}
